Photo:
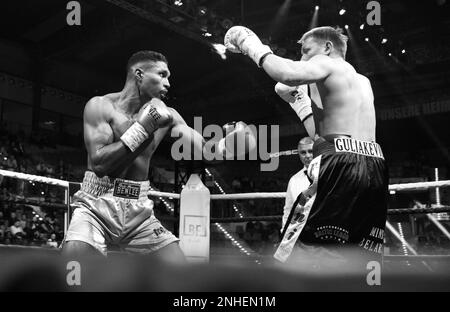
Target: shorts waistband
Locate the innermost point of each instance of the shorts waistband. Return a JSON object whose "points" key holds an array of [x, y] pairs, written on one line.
{"points": [[337, 143], [122, 188]]}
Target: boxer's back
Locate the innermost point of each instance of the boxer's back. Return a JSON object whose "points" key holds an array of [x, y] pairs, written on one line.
{"points": [[347, 101]]}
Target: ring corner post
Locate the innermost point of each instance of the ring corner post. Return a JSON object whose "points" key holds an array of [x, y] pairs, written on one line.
{"points": [[194, 230]]}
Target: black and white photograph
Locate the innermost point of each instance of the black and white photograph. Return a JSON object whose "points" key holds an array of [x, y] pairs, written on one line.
{"points": [[222, 155]]}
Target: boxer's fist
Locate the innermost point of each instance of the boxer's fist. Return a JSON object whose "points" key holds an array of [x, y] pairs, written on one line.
{"points": [[297, 97], [154, 115], [238, 141], [287, 93], [151, 116], [240, 39]]}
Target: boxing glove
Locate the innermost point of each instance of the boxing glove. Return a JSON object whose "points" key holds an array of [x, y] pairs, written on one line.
{"points": [[238, 141], [297, 97], [151, 116], [239, 39]]}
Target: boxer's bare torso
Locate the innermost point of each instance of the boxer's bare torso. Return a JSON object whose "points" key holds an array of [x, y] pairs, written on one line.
{"points": [[106, 118], [346, 100]]}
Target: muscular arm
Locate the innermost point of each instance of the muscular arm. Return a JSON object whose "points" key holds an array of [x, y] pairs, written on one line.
{"points": [[212, 151], [188, 135], [287, 93], [294, 73], [105, 156]]}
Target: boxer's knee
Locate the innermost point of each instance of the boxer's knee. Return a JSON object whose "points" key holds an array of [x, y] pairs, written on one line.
{"points": [[77, 249], [171, 253]]}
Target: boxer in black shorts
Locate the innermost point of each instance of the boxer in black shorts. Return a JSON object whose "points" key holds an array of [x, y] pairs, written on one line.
{"points": [[350, 203], [346, 204]]}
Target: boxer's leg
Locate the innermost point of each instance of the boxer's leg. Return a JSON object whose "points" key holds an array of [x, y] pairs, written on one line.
{"points": [[148, 236], [77, 249], [171, 253], [85, 235]]}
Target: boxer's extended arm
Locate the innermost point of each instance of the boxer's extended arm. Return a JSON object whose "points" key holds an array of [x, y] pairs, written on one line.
{"points": [[106, 156], [239, 39], [294, 73], [238, 132], [189, 136]]}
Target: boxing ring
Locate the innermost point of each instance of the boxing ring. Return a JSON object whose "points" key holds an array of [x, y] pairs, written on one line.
{"points": [[200, 206]]}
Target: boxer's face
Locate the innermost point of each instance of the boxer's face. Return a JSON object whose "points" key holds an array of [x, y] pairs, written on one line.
{"points": [[312, 47], [155, 80], [306, 153]]}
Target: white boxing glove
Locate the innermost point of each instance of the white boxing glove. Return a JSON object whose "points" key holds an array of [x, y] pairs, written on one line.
{"points": [[297, 97], [287, 93], [239, 140], [240, 39]]}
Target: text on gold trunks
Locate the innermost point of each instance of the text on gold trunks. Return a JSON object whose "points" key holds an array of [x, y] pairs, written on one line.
{"points": [[126, 189]]}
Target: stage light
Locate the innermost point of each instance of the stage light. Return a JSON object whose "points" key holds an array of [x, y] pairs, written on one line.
{"points": [[384, 41], [202, 10], [207, 34], [317, 7], [342, 11], [367, 39], [178, 2], [403, 51], [361, 27], [346, 26], [390, 54]]}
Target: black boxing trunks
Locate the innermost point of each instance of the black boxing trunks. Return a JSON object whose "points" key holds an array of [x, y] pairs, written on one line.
{"points": [[352, 194]]}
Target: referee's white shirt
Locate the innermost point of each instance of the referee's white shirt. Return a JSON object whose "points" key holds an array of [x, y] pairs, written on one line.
{"points": [[297, 184]]}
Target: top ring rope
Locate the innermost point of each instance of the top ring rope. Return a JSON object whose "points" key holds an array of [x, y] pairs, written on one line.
{"points": [[41, 179], [392, 187], [164, 194], [34, 178], [248, 195], [418, 185]]}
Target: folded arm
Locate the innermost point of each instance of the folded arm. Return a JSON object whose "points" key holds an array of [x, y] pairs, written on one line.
{"points": [[105, 155]]}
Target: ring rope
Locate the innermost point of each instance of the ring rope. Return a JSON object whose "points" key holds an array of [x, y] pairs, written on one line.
{"points": [[246, 219], [34, 178], [415, 257], [237, 196], [33, 202], [418, 185], [435, 209], [389, 212], [164, 194], [248, 195]]}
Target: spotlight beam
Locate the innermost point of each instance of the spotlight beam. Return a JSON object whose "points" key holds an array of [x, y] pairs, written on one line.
{"points": [[280, 17], [315, 19]]}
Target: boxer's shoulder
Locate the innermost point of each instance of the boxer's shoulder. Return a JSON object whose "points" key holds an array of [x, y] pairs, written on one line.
{"points": [[177, 118], [100, 107]]}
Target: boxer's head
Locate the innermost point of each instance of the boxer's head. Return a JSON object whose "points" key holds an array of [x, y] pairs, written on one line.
{"points": [[305, 151], [323, 40], [150, 72]]}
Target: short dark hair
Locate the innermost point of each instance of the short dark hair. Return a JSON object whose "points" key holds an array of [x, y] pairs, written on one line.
{"points": [[143, 56], [328, 33]]}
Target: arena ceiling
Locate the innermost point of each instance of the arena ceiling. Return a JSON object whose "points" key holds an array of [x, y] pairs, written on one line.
{"points": [[202, 82]]}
